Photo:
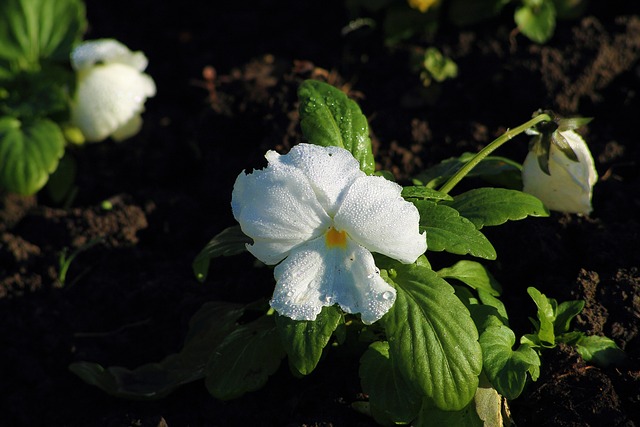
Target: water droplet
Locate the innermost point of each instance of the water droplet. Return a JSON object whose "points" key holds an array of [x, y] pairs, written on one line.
{"points": [[387, 295], [290, 293], [327, 299]]}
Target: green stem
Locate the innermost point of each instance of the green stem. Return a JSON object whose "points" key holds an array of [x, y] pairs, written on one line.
{"points": [[509, 134]]}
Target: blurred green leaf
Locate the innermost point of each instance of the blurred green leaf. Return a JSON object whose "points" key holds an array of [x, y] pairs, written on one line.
{"points": [[245, 359], [468, 12], [29, 152], [31, 30], [207, 329], [536, 19], [230, 241]]}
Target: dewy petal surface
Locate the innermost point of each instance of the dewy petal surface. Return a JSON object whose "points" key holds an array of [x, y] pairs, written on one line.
{"points": [[330, 170], [314, 276], [278, 209], [570, 186], [374, 214], [108, 97]]}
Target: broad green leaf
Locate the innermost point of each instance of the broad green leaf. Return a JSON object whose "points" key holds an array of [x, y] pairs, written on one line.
{"points": [[465, 417], [305, 340], [391, 399], [495, 206], [329, 118], [601, 351], [546, 317], [29, 152], [565, 313], [473, 274], [245, 359], [34, 29], [421, 192], [499, 171], [448, 231], [432, 338], [507, 369], [467, 12], [230, 241], [61, 182], [207, 328], [35, 94], [536, 19]]}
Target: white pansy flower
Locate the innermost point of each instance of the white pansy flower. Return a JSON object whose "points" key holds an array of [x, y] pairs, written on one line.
{"points": [[569, 185], [111, 89], [318, 215]]}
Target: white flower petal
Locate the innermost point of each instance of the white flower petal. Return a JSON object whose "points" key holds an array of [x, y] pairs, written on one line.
{"points": [[375, 215], [106, 51], [314, 276], [570, 186], [108, 97], [128, 129], [330, 170], [278, 209]]}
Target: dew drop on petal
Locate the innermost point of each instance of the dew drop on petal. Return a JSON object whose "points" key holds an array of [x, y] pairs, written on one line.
{"points": [[387, 295]]}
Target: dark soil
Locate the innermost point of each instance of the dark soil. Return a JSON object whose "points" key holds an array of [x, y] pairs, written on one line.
{"points": [[227, 79]]}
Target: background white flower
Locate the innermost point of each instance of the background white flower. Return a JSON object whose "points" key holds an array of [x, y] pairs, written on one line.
{"points": [[111, 89], [318, 215], [569, 186]]}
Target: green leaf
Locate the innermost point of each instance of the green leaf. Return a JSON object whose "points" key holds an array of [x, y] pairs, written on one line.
{"points": [[497, 170], [473, 274], [329, 118], [565, 313], [467, 12], [61, 183], [466, 417], [448, 231], [36, 94], [432, 338], [305, 340], [601, 351], [507, 369], [207, 328], [29, 152], [230, 241], [34, 29], [438, 66], [391, 399], [245, 359], [536, 19], [495, 206], [421, 192], [546, 317]]}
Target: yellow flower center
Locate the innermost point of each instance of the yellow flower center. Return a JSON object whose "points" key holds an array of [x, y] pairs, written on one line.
{"points": [[335, 238]]}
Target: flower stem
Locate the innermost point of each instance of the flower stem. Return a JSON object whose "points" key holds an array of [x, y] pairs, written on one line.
{"points": [[495, 144]]}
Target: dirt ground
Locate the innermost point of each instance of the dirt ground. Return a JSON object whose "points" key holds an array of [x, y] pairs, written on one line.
{"points": [[227, 78]]}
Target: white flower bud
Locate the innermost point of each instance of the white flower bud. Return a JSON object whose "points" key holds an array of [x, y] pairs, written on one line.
{"points": [[111, 90], [569, 186]]}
